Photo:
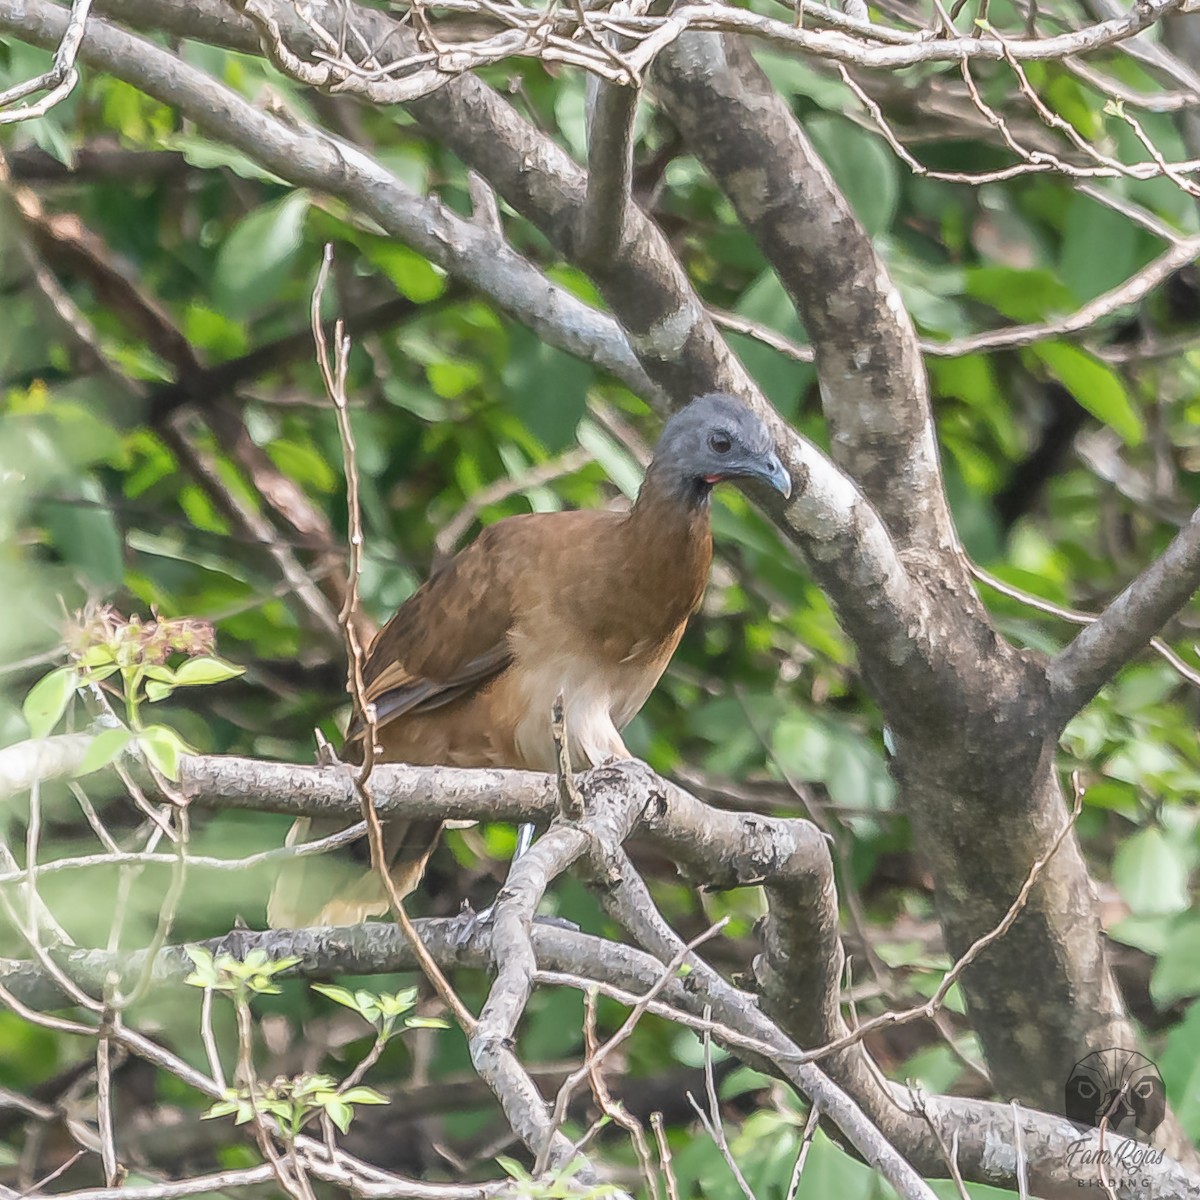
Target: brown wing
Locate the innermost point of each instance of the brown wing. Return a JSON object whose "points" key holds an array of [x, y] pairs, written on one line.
{"points": [[451, 635]]}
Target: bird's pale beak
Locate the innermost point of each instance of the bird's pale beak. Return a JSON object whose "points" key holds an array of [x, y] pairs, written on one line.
{"points": [[770, 470]]}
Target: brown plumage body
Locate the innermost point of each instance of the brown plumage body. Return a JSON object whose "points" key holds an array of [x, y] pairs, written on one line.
{"points": [[587, 604], [523, 613]]}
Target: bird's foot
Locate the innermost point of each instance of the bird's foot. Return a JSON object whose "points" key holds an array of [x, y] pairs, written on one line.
{"points": [[468, 923]]}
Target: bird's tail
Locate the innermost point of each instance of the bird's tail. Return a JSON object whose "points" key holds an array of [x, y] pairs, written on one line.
{"points": [[317, 890]]}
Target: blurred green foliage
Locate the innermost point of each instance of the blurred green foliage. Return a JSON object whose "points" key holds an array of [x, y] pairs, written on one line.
{"points": [[98, 504]]}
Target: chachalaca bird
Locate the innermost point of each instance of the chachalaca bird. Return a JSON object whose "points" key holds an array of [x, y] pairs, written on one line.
{"points": [[591, 604]]}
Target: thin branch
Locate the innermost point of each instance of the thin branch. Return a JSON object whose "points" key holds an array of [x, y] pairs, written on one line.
{"points": [[806, 1141], [570, 802], [104, 1112], [1133, 289], [59, 81], [1078, 617], [1126, 626], [125, 858], [610, 170], [611, 1108], [712, 1122], [334, 376], [594, 1061], [567, 463], [664, 1155]]}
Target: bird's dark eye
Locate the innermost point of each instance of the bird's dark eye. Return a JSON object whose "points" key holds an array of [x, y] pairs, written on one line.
{"points": [[720, 443]]}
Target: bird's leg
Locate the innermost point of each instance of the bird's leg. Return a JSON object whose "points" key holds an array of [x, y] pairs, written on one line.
{"points": [[469, 921], [570, 804], [525, 836]]}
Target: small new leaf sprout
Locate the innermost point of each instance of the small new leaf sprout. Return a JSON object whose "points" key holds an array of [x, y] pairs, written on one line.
{"points": [[48, 700], [426, 1023], [293, 1102], [163, 747], [101, 643], [105, 746], [383, 1010], [254, 974], [513, 1169], [561, 1185]]}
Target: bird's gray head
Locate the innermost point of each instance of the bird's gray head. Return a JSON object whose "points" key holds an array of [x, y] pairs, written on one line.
{"points": [[716, 437]]}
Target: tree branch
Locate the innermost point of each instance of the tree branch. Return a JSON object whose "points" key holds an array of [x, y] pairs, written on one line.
{"points": [[873, 385], [59, 81], [683, 352], [1126, 626], [983, 1130], [311, 158], [610, 169]]}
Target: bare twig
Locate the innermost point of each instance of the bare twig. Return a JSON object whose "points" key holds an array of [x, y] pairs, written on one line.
{"points": [[610, 1108], [334, 376], [570, 802], [209, 1040], [1078, 617], [664, 1156], [104, 1112], [59, 81], [1126, 626], [594, 1061], [806, 1141], [711, 1120]]}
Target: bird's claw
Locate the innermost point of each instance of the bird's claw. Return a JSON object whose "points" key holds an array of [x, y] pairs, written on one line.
{"points": [[468, 923], [556, 922]]}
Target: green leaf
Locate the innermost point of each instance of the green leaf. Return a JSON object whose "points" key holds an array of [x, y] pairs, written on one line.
{"points": [[97, 656], [512, 1168], [163, 746], [1177, 973], [1181, 1071], [1095, 387], [200, 152], [339, 995], [1099, 248], [340, 1114], [222, 1108], [363, 1095], [1151, 873], [205, 974], [546, 388], [427, 1023], [104, 748], [619, 465], [1019, 295], [48, 700], [413, 275], [156, 691], [199, 671], [87, 535], [257, 255]]}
